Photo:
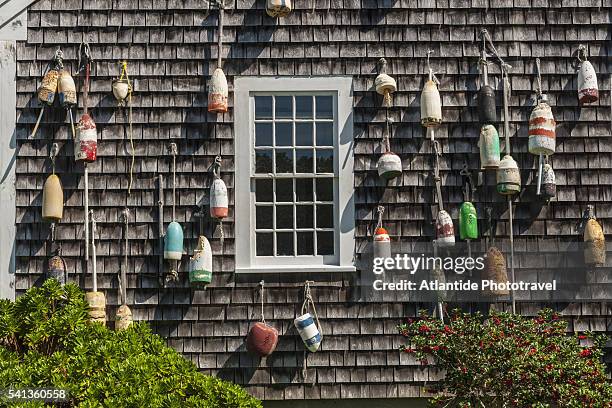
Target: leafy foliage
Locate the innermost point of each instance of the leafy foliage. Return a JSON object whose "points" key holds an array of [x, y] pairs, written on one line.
{"points": [[47, 341], [510, 360]]}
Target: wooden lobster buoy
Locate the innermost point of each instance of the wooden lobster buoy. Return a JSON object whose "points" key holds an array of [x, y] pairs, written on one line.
{"points": [[86, 143], [594, 243], [431, 105], [173, 242], [97, 306], [486, 105], [542, 129], [385, 85], [53, 199], [382, 243], [278, 8], [217, 97], [121, 89], [587, 84], [389, 166], [508, 176], [489, 147], [468, 221], [56, 269], [445, 231], [66, 89], [48, 88], [262, 339], [218, 199], [200, 264], [123, 318], [309, 332], [549, 184], [495, 270]]}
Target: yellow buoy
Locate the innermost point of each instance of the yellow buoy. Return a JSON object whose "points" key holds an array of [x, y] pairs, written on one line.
{"points": [[594, 243], [53, 199], [123, 319], [97, 306]]}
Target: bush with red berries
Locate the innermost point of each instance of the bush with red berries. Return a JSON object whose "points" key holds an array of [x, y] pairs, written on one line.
{"points": [[508, 360]]}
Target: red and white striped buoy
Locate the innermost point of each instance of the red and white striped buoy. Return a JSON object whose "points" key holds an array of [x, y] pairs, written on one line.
{"points": [[542, 129], [445, 231], [86, 143]]}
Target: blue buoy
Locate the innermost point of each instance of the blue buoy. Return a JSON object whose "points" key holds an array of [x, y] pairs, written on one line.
{"points": [[173, 242]]}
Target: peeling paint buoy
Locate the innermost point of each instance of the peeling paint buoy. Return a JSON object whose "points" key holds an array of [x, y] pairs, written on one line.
{"points": [[594, 243], [218, 199], [66, 89], [445, 232], [489, 147], [53, 199], [278, 8], [86, 143], [200, 264], [173, 242], [508, 176], [56, 269], [48, 88], [495, 270], [309, 332], [262, 339], [588, 91], [97, 306], [542, 129], [123, 318], [549, 185], [389, 166], [468, 221], [218, 94], [431, 105]]}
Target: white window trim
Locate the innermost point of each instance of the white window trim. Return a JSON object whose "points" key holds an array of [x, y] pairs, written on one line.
{"points": [[344, 212]]}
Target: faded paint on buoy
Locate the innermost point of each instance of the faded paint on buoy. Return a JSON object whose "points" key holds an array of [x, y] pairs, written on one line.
{"points": [[53, 199], [468, 221], [218, 94], [486, 105], [48, 88], [56, 269], [86, 143], [200, 264], [97, 306], [489, 147], [431, 105], [594, 244], [382, 243], [173, 242], [588, 91], [66, 89], [278, 8], [262, 339], [495, 270], [121, 89], [549, 184], [508, 176], [445, 231], [385, 85], [123, 318], [389, 166], [542, 139], [218, 199], [309, 332]]}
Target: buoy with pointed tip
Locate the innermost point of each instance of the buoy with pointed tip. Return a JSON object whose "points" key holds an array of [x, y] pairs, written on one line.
{"points": [[489, 147], [56, 269], [382, 243], [445, 231], [173, 242], [549, 184], [468, 221], [495, 270], [218, 94], [278, 8], [508, 176], [594, 243], [309, 332], [588, 91], [431, 105], [200, 264], [542, 125], [53, 199], [389, 166]]}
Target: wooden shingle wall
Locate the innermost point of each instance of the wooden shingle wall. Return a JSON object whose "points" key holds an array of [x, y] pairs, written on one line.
{"points": [[170, 46]]}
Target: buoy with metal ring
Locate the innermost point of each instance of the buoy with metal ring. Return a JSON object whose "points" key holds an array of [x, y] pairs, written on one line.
{"points": [[468, 221], [489, 147], [278, 8], [594, 241], [508, 176], [445, 231], [385, 85], [262, 338], [588, 91]]}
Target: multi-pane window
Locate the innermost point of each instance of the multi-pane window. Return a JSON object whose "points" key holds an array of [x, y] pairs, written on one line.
{"points": [[294, 174]]}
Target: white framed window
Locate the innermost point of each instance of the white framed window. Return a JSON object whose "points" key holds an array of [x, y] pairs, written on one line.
{"points": [[294, 181]]}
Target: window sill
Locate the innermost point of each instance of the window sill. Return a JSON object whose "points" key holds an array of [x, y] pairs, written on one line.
{"points": [[296, 269]]}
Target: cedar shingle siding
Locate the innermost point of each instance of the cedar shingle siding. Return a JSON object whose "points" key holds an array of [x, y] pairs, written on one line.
{"points": [[171, 45]]}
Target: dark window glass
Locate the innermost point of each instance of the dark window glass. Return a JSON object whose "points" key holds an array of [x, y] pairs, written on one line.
{"points": [[263, 107], [325, 134], [303, 161], [284, 216], [303, 107], [284, 190], [263, 134], [263, 191], [303, 216], [325, 243], [325, 216], [284, 107], [284, 244], [303, 134], [263, 161], [303, 189], [324, 107], [284, 161], [305, 244], [263, 217], [325, 161], [284, 134], [325, 189], [264, 243]]}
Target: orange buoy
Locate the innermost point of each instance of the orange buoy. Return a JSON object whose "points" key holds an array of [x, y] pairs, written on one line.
{"points": [[594, 242]]}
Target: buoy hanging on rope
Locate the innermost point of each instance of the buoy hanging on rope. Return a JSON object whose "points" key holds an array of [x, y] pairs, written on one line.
{"points": [[389, 165], [123, 318], [200, 264], [219, 201], [385, 85], [67, 95], [307, 324], [86, 142], [594, 241], [262, 338], [53, 194], [122, 86], [218, 92], [431, 104], [508, 176], [489, 147], [541, 122], [495, 270], [173, 243], [549, 184], [445, 231], [278, 8], [468, 221], [486, 95], [588, 91], [96, 300], [56, 268], [48, 88], [382, 241]]}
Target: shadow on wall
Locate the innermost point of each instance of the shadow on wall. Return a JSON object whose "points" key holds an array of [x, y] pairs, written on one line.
{"points": [[351, 403]]}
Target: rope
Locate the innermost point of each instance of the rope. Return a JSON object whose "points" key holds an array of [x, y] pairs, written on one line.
{"points": [[261, 295], [58, 59], [387, 133], [93, 250], [84, 63], [52, 155], [173, 152], [309, 301], [437, 179], [506, 95], [432, 74], [380, 210], [216, 169], [220, 37], [125, 76], [123, 278], [582, 51], [538, 78], [484, 65]]}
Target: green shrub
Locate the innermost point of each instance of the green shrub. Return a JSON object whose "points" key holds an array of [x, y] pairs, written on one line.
{"points": [[510, 360], [47, 341]]}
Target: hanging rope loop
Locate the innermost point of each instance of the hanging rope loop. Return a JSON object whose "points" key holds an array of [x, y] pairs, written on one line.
{"points": [[538, 78], [387, 134], [173, 152], [309, 304], [380, 210], [432, 74], [582, 53], [53, 155], [261, 297], [58, 59], [216, 168]]}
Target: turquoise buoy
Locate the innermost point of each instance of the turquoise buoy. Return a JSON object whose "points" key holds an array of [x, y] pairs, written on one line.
{"points": [[173, 242]]}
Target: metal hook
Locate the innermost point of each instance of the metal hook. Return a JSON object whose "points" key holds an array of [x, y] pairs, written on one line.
{"points": [[53, 154], [582, 52], [173, 149], [382, 66]]}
